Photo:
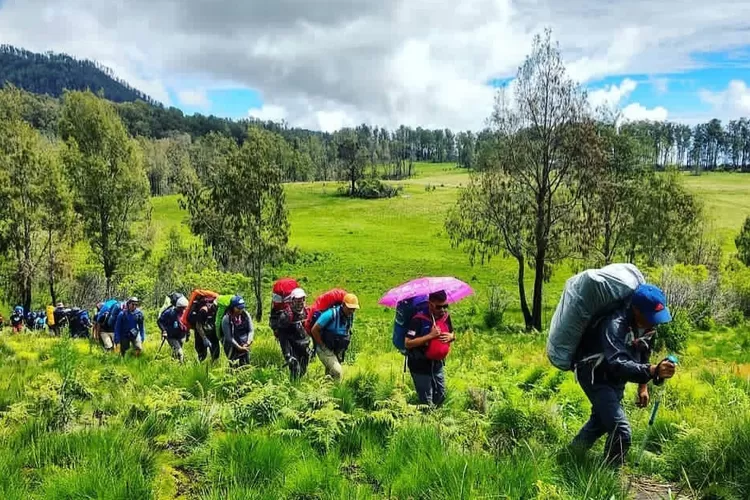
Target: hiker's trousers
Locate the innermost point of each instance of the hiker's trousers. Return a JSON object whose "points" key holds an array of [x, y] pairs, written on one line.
{"points": [[430, 386], [607, 417]]}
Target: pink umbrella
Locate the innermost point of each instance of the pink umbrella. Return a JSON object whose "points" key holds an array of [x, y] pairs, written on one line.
{"points": [[454, 288]]}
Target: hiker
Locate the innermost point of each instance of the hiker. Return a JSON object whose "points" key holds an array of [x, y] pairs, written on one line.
{"points": [[104, 323], [16, 319], [129, 329], [293, 339], [427, 343], [332, 334], [616, 350], [61, 318], [206, 338], [172, 328], [79, 323], [238, 333]]}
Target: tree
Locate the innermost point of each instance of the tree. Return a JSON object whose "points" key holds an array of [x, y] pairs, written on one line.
{"points": [[666, 219], [32, 190], [529, 185], [352, 156], [238, 206], [109, 180], [606, 204], [743, 243]]}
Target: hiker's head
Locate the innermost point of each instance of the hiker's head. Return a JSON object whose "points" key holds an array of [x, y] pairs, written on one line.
{"points": [[298, 299], [350, 303], [649, 307], [181, 303], [236, 305], [438, 303], [133, 303]]}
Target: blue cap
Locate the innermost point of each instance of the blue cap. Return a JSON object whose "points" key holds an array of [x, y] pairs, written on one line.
{"points": [[652, 304], [237, 301]]}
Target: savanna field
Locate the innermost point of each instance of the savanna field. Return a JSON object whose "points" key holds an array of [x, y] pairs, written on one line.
{"points": [[77, 423]]}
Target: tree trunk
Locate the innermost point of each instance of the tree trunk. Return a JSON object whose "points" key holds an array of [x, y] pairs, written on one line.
{"points": [[536, 314], [353, 180], [257, 289], [52, 293], [522, 293]]}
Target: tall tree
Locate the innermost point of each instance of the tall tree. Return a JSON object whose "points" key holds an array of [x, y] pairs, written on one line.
{"points": [[31, 190], [530, 181], [109, 180], [238, 206]]}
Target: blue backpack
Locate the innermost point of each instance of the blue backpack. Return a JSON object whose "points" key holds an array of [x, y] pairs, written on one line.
{"points": [[405, 311], [112, 314]]}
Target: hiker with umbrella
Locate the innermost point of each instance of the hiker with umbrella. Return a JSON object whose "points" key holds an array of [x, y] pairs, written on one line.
{"points": [[423, 330]]}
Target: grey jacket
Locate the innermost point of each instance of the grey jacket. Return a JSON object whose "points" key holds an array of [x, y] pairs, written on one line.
{"points": [[234, 335]]}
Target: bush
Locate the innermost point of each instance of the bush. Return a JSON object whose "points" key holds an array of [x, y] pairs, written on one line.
{"points": [[498, 303], [672, 336], [372, 188], [743, 243]]}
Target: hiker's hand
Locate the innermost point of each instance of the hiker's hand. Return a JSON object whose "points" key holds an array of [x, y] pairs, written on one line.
{"points": [[446, 337], [434, 333], [642, 400], [665, 369]]}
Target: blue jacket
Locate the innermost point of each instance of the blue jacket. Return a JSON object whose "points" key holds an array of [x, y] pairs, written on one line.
{"points": [[623, 354], [128, 321]]}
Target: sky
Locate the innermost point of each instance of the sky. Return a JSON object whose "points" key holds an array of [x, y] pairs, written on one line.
{"points": [[328, 64]]}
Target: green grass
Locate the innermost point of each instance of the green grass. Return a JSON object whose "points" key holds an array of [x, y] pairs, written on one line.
{"points": [[76, 423]]}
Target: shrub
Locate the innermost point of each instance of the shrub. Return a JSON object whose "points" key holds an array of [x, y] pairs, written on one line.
{"points": [[743, 243], [498, 303], [672, 336], [372, 188]]}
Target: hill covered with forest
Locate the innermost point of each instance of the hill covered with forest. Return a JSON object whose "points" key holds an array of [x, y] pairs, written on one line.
{"points": [[51, 74]]}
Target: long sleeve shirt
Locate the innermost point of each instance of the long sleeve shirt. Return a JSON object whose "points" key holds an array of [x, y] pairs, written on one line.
{"points": [[128, 321], [239, 331], [624, 358]]}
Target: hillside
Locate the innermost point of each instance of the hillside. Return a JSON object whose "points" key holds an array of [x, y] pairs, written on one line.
{"points": [[52, 73]]}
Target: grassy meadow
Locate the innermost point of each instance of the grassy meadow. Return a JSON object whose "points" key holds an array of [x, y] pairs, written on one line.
{"points": [[76, 423]]}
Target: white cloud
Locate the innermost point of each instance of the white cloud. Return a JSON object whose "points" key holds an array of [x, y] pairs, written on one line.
{"points": [[733, 101], [612, 95], [636, 111], [329, 62], [194, 98]]}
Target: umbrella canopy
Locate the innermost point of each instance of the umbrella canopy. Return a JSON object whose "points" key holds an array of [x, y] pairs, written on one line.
{"points": [[454, 288]]}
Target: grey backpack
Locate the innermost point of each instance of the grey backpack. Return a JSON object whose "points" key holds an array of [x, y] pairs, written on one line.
{"points": [[586, 297]]}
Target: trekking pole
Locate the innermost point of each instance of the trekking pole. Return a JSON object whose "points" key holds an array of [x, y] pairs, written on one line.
{"points": [[163, 339], [672, 358]]}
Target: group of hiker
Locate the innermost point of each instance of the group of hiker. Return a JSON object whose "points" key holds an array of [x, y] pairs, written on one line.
{"points": [[55, 320], [603, 330]]}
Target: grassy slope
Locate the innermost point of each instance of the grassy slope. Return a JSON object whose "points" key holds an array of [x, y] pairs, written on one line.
{"points": [[196, 432]]}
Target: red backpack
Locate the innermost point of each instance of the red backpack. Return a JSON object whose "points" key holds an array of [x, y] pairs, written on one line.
{"points": [[280, 300], [326, 301], [197, 299], [437, 350]]}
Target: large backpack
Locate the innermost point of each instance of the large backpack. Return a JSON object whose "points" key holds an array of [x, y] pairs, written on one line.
{"points": [[280, 300], [587, 296], [101, 315], [169, 301], [222, 303], [326, 301], [198, 299], [112, 314], [405, 312]]}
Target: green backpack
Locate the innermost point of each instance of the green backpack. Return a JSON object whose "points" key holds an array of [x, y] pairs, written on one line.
{"points": [[222, 303]]}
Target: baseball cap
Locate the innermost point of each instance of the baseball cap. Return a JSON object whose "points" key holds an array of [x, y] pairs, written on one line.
{"points": [[351, 301], [652, 304], [237, 301]]}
